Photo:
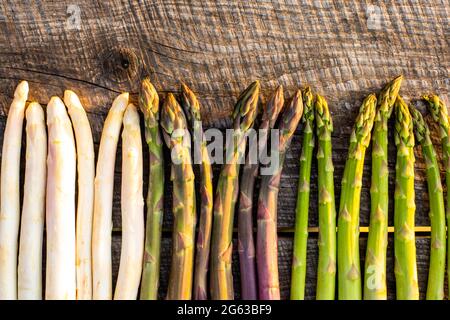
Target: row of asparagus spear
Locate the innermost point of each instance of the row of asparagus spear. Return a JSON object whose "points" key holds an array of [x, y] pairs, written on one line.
{"points": [[79, 236], [339, 249]]}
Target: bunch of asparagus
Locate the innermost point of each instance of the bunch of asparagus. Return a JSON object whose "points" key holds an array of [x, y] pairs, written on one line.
{"points": [[191, 107], [78, 258], [246, 248], [49, 194], [267, 240]]}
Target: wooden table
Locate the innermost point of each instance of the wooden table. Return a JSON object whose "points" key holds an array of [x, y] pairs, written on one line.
{"points": [[342, 49]]}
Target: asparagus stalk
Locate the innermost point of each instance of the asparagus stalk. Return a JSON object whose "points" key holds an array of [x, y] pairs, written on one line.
{"points": [[149, 105], [246, 243], [301, 213], [191, 107], [436, 273], [375, 263], [326, 271], [438, 110], [9, 194], [85, 206], [29, 278], [404, 207], [60, 204], [175, 134], [226, 195], [267, 240], [132, 204], [103, 197], [349, 276]]}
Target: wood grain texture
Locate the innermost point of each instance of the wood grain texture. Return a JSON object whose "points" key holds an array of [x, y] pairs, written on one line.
{"points": [[342, 49]]}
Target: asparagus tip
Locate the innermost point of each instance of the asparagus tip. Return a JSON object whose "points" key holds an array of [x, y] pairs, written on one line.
{"points": [[55, 107], [171, 101], [308, 105], [364, 122], [185, 88], [321, 103], [393, 87], [172, 116], [274, 106], [71, 99], [398, 78], [245, 110], [130, 116], [438, 111], [291, 116], [33, 105], [190, 103], [55, 101], [420, 127], [403, 124], [148, 99], [122, 99], [323, 113], [388, 95], [308, 97], [34, 114], [21, 91], [434, 100], [307, 90], [34, 108], [371, 98]]}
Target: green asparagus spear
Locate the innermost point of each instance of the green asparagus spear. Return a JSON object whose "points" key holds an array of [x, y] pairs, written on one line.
{"points": [[267, 240], [438, 110], [375, 266], [149, 105], [246, 243], [436, 273], [301, 212], [349, 275], [226, 195], [191, 107], [404, 208], [175, 133], [326, 270]]}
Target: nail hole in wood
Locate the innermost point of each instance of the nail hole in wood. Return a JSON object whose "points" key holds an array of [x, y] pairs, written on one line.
{"points": [[125, 63]]}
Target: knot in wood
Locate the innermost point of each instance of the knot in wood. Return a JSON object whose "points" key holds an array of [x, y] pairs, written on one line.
{"points": [[121, 65]]}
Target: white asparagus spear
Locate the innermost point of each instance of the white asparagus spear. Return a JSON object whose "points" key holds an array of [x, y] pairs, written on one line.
{"points": [[132, 205], [29, 271], [60, 204], [9, 194], [103, 197], [85, 206]]}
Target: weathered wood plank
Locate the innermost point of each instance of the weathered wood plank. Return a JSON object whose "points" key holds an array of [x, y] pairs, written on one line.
{"points": [[343, 49]]}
